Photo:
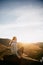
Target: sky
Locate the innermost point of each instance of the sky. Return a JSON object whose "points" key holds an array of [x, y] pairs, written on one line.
{"points": [[23, 19]]}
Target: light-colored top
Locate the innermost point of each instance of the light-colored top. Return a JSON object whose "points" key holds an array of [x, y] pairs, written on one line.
{"points": [[15, 49], [13, 44]]}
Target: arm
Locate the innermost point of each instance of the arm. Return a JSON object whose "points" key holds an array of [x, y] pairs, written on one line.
{"points": [[10, 42]]}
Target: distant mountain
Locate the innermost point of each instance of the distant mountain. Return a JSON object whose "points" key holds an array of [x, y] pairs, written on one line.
{"points": [[4, 41]]}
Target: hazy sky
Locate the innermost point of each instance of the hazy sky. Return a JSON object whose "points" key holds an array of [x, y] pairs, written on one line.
{"points": [[22, 18]]}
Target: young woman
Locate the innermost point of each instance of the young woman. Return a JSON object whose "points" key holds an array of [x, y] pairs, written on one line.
{"points": [[14, 48]]}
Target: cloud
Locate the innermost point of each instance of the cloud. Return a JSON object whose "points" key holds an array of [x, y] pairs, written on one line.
{"points": [[22, 14], [25, 22]]}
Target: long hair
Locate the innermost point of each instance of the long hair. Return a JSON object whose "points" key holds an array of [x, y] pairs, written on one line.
{"points": [[14, 38]]}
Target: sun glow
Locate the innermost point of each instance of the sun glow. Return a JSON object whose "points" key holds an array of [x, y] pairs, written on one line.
{"points": [[25, 21]]}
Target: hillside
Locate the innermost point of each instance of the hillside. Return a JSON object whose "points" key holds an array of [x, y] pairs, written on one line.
{"points": [[34, 51], [4, 47], [4, 41], [4, 50]]}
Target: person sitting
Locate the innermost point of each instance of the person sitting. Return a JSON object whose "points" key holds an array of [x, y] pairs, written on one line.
{"points": [[14, 48]]}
